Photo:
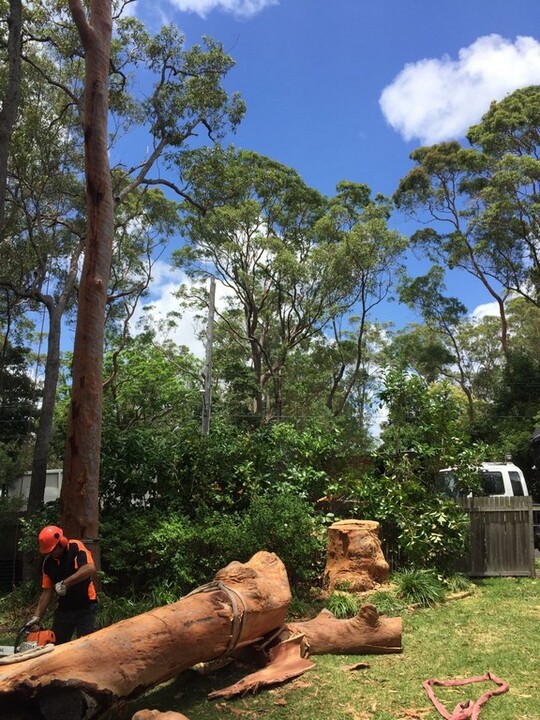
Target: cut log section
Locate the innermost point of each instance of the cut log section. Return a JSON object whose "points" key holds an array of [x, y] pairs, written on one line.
{"points": [[367, 633], [86, 677]]}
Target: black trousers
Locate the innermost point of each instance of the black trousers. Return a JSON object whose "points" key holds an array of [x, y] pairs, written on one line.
{"points": [[81, 621]]}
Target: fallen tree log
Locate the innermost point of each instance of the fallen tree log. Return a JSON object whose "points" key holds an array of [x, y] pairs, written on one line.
{"points": [[83, 679], [366, 633], [244, 606]]}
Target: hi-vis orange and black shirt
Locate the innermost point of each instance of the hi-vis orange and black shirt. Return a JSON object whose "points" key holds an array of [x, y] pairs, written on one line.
{"points": [[73, 557]]}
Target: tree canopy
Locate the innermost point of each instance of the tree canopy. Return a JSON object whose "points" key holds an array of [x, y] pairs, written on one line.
{"points": [[294, 263], [314, 400]]}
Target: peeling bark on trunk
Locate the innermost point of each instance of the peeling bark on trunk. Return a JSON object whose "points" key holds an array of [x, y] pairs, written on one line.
{"points": [[85, 678], [367, 633], [287, 661]]}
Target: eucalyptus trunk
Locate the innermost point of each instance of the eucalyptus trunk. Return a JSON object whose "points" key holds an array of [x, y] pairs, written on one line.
{"points": [[44, 430], [45, 425], [80, 487]]}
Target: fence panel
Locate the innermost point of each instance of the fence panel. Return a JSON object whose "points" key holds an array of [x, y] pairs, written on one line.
{"points": [[501, 536]]}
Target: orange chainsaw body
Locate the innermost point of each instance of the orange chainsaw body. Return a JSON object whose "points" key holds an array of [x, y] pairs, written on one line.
{"points": [[41, 637]]}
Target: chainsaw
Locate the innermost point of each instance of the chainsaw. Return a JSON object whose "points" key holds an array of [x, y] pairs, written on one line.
{"points": [[28, 639], [28, 643]]}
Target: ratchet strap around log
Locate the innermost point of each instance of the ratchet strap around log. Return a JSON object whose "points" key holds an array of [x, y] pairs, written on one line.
{"points": [[467, 710], [238, 614]]}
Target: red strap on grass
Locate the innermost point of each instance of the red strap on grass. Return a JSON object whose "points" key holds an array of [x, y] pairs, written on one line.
{"points": [[468, 709]]}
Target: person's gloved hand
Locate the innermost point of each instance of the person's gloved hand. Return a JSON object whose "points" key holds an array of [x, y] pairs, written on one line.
{"points": [[60, 588], [34, 621]]}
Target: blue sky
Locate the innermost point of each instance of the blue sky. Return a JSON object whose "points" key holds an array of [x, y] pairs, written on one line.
{"points": [[346, 89]]}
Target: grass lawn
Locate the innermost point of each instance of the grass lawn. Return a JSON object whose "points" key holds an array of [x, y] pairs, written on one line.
{"points": [[496, 629]]}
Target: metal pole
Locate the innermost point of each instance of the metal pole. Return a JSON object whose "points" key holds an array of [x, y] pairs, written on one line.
{"points": [[207, 394]]}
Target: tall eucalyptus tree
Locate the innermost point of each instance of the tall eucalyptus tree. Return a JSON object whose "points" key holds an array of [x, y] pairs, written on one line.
{"points": [[292, 261], [46, 207], [480, 203], [11, 94]]}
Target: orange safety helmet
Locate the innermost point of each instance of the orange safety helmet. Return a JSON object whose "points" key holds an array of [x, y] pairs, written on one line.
{"points": [[49, 538]]}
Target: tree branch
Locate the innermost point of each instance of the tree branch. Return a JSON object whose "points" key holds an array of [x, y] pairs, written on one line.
{"points": [[86, 31]]}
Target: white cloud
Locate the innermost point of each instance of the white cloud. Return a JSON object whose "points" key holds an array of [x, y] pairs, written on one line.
{"points": [[438, 99], [165, 283], [240, 8], [485, 310]]}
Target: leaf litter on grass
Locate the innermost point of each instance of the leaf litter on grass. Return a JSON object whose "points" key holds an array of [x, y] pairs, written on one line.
{"points": [[415, 713], [356, 715]]}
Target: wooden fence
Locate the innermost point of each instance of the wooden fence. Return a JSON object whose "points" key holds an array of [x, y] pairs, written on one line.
{"points": [[501, 537]]}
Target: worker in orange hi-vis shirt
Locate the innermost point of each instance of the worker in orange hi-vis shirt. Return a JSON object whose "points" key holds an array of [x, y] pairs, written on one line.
{"points": [[68, 571]]}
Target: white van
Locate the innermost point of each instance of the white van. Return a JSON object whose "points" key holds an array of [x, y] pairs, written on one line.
{"points": [[497, 480]]}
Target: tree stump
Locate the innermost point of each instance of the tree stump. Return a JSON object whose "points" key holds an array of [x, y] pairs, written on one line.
{"points": [[355, 559]]}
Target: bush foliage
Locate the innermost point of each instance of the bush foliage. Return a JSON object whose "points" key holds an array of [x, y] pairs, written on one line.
{"points": [[177, 505], [419, 587], [154, 549]]}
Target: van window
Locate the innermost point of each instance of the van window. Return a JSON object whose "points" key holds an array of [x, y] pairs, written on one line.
{"points": [[517, 485], [446, 484], [492, 483]]}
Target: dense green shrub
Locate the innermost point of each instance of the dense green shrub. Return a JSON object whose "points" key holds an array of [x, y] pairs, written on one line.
{"points": [[421, 528], [425, 431], [150, 550], [169, 546], [126, 557], [387, 602], [457, 583], [343, 604], [188, 553], [419, 587], [31, 525], [433, 534], [286, 524], [159, 456]]}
